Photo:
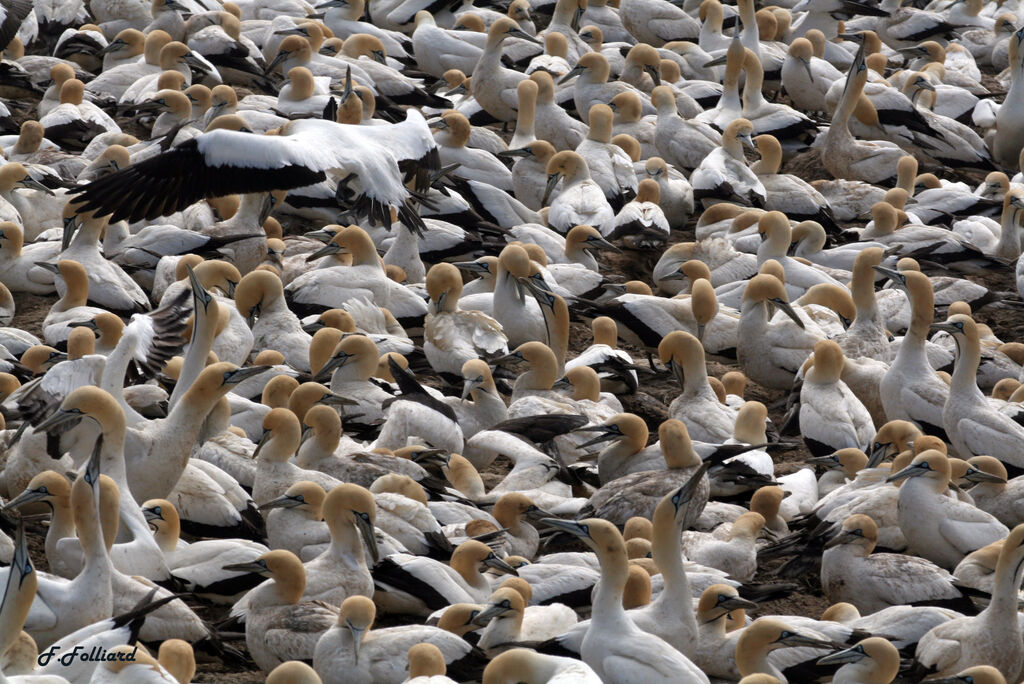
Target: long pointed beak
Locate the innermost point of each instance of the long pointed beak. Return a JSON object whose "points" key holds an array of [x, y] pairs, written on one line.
{"points": [[239, 374], [601, 243], [684, 494], [573, 73], [600, 439], [678, 371], [283, 501], [947, 327], [491, 611], [58, 418], [33, 184], [550, 187], [278, 58], [849, 655], [26, 497], [978, 476], [357, 639], [70, 226], [264, 438], [789, 311], [332, 364], [829, 461], [249, 566], [519, 152], [839, 539], [913, 470], [333, 399], [571, 526], [47, 266], [802, 640], [655, 75], [737, 603], [501, 566], [330, 248], [890, 273], [369, 536]]}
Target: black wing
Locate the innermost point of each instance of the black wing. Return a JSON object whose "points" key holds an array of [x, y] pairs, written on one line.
{"points": [[178, 178]]}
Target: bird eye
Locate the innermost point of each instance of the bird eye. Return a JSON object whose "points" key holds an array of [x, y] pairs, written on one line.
{"points": [[43, 490], [300, 498], [156, 509]]}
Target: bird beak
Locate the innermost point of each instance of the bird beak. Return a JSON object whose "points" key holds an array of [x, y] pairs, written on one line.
{"points": [[737, 603], [70, 226], [947, 327], [501, 566], [519, 33], [653, 72], [785, 306], [802, 640], [684, 494], [111, 47], [840, 539], [606, 434], [519, 152], [58, 418], [889, 273], [978, 476], [550, 187], [330, 248], [47, 266], [264, 438], [357, 638], [807, 66], [914, 470], [571, 526], [472, 266], [468, 386], [717, 61], [33, 184], [333, 399], [491, 611], [333, 364], [26, 497], [849, 655], [280, 57], [678, 371], [249, 566], [369, 536], [239, 374], [151, 515], [830, 461], [601, 243], [573, 73], [283, 501]]}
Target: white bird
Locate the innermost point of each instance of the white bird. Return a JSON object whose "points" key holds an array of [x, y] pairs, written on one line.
{"points": [[724, 175], [937, 527], [617, 649], [850, 572]]}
